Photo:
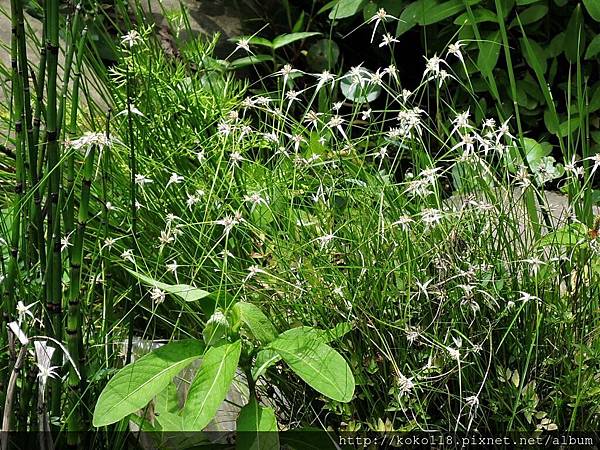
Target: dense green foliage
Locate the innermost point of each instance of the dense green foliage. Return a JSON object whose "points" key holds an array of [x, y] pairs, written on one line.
{"points": [[509, 52]]}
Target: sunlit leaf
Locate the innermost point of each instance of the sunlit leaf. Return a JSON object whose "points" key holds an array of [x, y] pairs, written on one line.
{"points": [[186, 292], [137, 383], [257, 428], [345, 8], [319, 365], [286, 39], [210, 385]]}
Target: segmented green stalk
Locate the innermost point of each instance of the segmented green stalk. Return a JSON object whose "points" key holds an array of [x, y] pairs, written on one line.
{"points": [[36, 208], [74, 321], [107, 321], [133, 188], [53, 257], [9, 302], [69, 212], [74, 332], [18, 112], [30, 162], [70, 51]]}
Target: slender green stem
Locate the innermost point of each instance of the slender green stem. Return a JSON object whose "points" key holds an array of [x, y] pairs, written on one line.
{"points": [[53, 236], [74, 333]]}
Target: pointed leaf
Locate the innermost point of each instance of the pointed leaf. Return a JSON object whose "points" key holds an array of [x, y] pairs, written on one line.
{"points": [[257, 428], [210, 386], [534, 55], [319, 365], [438, 12], [594, 48], [249, 60], [412, 13], [593, 9], [595, 100], [530, 15], [186, 292], [255, 320], [569, 235], [489, 51], [345, 8], [166, 401], [266, 357], [574, 42], [166, 406], [479, 15], [286, 39], [137, 383]]}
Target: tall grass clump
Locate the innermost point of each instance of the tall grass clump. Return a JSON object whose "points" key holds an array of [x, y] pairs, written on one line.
{"points": [[432, 235], [467, 289]]}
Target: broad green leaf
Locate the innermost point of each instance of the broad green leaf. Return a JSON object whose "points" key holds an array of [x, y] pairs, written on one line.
{"points": [[574, 42], [437, 13], [186, 292], [479, 14], [144, 424], [530, 15], [323, 54], [255, 320], [264, 359], [256, 428], [392, 7], [137, 383], [336, 332], [299, 25], [328, 6], [286, 39], [210, 385], [594, 48], [534, 55], [166, 406], [319, 365], [593, 9], [556, 46], [534, 152], [166, 401], [249, 60], [526, 2], [569, 235], [551, 121], [489, 51], [410, 15], [569, 126], [345, 8], [595, 100]]}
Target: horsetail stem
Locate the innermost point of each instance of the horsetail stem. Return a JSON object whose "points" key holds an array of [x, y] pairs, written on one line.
{"points": [[74, 327], [133, 206], [17, 88], [74, 331], [53, 257]]}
